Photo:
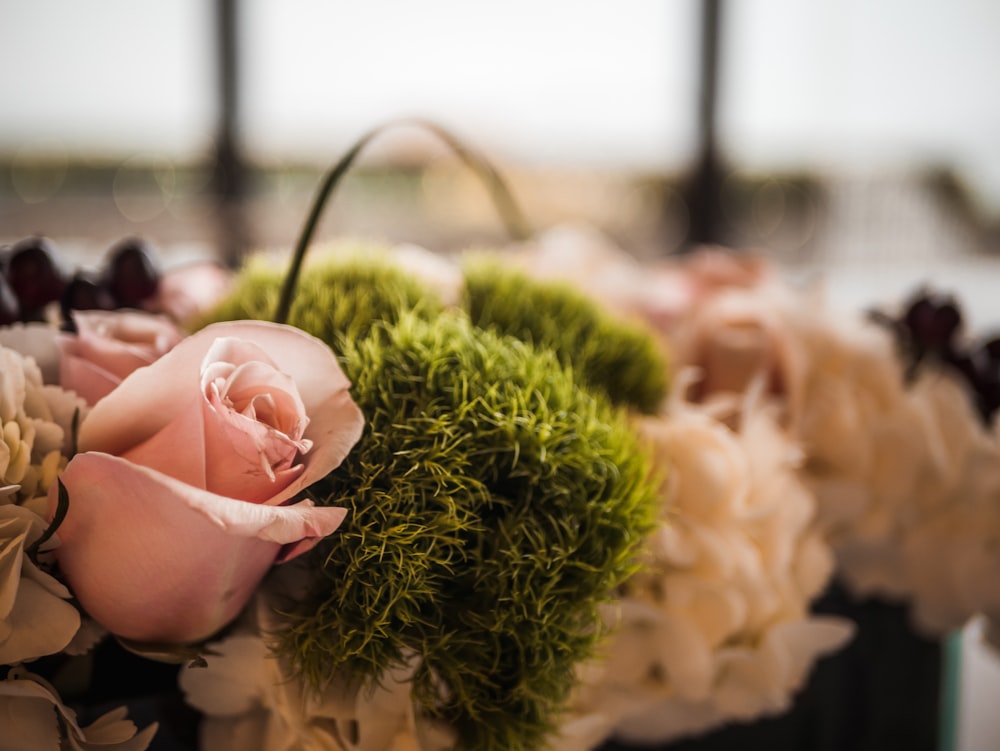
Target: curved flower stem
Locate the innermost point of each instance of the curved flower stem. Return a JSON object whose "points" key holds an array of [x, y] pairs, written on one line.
{"points": [[503, 199], [61, 508]]}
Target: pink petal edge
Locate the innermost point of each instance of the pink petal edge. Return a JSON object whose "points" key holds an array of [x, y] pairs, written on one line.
{"points": [[154, 391]]}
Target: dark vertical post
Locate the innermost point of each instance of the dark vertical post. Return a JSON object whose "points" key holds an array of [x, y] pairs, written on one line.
{"points": [[230, 177], [704, 186]]}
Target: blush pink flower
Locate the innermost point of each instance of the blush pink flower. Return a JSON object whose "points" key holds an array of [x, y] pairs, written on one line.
{"points": [[179, 499], [108, 346], [187, 292]]}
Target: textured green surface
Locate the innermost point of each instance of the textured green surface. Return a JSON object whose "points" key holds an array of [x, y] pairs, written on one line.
{"points": [[620, 358], [338, 297], [493, 506]]}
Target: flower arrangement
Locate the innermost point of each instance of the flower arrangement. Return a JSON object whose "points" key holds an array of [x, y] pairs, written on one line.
{"points": [[531, 498]]}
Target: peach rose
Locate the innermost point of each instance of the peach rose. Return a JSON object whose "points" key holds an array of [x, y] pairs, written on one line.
{"points": [[108, 346], [179, 497]]}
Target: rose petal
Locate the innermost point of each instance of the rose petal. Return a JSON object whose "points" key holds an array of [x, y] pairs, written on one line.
{"points": [[120, 342], [89, 381], [156, 391], [178, 450], [109, 346], [192, 558], [260, 391], [253, 420]]}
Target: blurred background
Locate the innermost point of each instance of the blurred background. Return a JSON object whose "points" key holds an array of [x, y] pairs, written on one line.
{"points": [[854, 139], [837, 129]]}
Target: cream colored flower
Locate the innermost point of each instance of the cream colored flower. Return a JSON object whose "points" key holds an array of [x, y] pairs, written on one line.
{"points": [[715, 627], [36, 618], [905, 475], [252, 702], [33, 717], [896, 467], [35, 429]]}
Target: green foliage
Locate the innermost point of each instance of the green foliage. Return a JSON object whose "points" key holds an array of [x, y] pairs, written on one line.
{"points": [[338, 297], [493, 505], [620, 358]]}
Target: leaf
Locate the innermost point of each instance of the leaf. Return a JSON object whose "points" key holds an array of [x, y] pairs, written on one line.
{"points": [[173, 654], [57, 520]]}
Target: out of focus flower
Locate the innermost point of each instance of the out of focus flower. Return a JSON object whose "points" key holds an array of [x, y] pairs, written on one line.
{"points": [[903, 472], [439, 274], [950, 538], [715, 626], [659, 292], [108, 346], [187, 292]]}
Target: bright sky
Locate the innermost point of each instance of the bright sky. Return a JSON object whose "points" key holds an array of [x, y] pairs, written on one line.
{"points": [[829, 83]]}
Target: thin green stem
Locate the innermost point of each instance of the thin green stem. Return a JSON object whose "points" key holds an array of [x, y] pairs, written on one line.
{"points": [[61, 508], [496, 186]]}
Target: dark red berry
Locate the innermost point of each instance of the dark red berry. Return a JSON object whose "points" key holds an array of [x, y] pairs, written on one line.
{"points": [[85, 292], [934, 322], [34, 274], [132, 275], [992, 349]]}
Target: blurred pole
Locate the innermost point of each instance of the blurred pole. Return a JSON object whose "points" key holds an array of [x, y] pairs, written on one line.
{"points": [[703, 188], [229, 180]]}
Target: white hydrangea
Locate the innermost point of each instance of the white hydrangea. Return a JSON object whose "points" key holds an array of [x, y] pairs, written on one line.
{"points": [[34, 717], [36, 428], [950, 546], [36, 618], [715, 627], [865, 441], [903, 472]]}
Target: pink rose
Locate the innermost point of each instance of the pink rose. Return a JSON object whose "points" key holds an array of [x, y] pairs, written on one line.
{"points": [[109, 346], [179, 497]]}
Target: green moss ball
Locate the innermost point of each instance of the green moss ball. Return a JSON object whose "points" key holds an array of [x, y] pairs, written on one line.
{"points": [[493, 505], [620, 358], [338, 298]]}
